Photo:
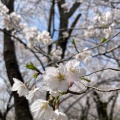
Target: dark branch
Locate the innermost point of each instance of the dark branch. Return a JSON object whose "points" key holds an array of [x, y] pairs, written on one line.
{"points": [[73, 9]]}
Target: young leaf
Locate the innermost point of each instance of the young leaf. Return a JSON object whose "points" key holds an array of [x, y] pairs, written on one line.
{"points": [[73, 41], [31, 66], [35, 75], [103, 40], [55, 100], [85, 79]]}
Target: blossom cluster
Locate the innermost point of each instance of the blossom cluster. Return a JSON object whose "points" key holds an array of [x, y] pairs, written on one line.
{"points": [[103, 24], [56, 80], [84, 56], [56, 54], [13, 21], [3, 9]]}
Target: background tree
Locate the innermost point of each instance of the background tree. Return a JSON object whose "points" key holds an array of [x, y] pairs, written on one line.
{"points": [[20, 103], [93, 24]]}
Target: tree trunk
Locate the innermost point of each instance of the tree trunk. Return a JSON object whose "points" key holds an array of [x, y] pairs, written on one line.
{"points": [[22, 111], [101, 107]]}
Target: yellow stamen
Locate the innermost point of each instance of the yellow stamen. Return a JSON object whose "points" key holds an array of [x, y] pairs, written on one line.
{"points": [[60, 76], [45, 105]]}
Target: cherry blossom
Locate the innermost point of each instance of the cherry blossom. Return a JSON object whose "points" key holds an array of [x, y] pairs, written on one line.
{"points": [[59, 115], [44, 38], [65, 34], [56, 54], [74, 71], [20, 87], [55, 78], [42, 110], [83, 55], [11, 21], [34, 93], [3, 9]]}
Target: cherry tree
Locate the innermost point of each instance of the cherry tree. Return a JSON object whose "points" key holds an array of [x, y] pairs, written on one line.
{"points": [[75, 54]]}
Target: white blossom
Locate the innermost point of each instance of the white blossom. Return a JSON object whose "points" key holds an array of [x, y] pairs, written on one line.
{"points": [[30, 34], [108, 32], [20, 87], [65, 34], [59, 116], [11, 21], [80, 1], [83, 55], [6, 22], [15, 18], [34, 93], [56, 54], [54, 93], [88, 59], [74, 71], [108, 16], [113, 25], [22, 26], [44, 38], [116, 14], [3, 9], [55, 57], [55, 78], [42, 110], [90, 28]]}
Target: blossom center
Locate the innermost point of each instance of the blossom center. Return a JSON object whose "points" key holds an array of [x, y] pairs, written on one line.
{"points": [[72, 70], [60, 76], [44, 105]]}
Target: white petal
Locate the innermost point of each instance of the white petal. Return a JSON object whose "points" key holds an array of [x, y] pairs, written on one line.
{"points": [[71, 77], [82, 72], [53, 83], [33, 93], [88, 59], [36, 105], [59, 116], [64, 117], [21, 91], [40, 114], [48, 114], [62, 69], [15, 87], [16, 80], [63, 86], [54, 93]]}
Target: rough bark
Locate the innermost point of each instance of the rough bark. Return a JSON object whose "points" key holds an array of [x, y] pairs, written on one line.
{"points": [[85, 110], [64, 20], [22, 111], [63, 25], [111, 117], [101, 107]]}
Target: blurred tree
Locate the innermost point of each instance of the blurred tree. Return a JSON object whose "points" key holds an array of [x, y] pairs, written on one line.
{"points": [[22, 111], [93, 24]]}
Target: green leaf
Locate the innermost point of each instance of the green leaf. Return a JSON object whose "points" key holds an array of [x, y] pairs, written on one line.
{"points": [[73, 41], [85, 79], [35, 75], [31, 66], [55, 100], [103, 40]]}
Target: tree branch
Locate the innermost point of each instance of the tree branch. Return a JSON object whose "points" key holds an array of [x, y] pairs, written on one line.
{"points": [[73, 9]]}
